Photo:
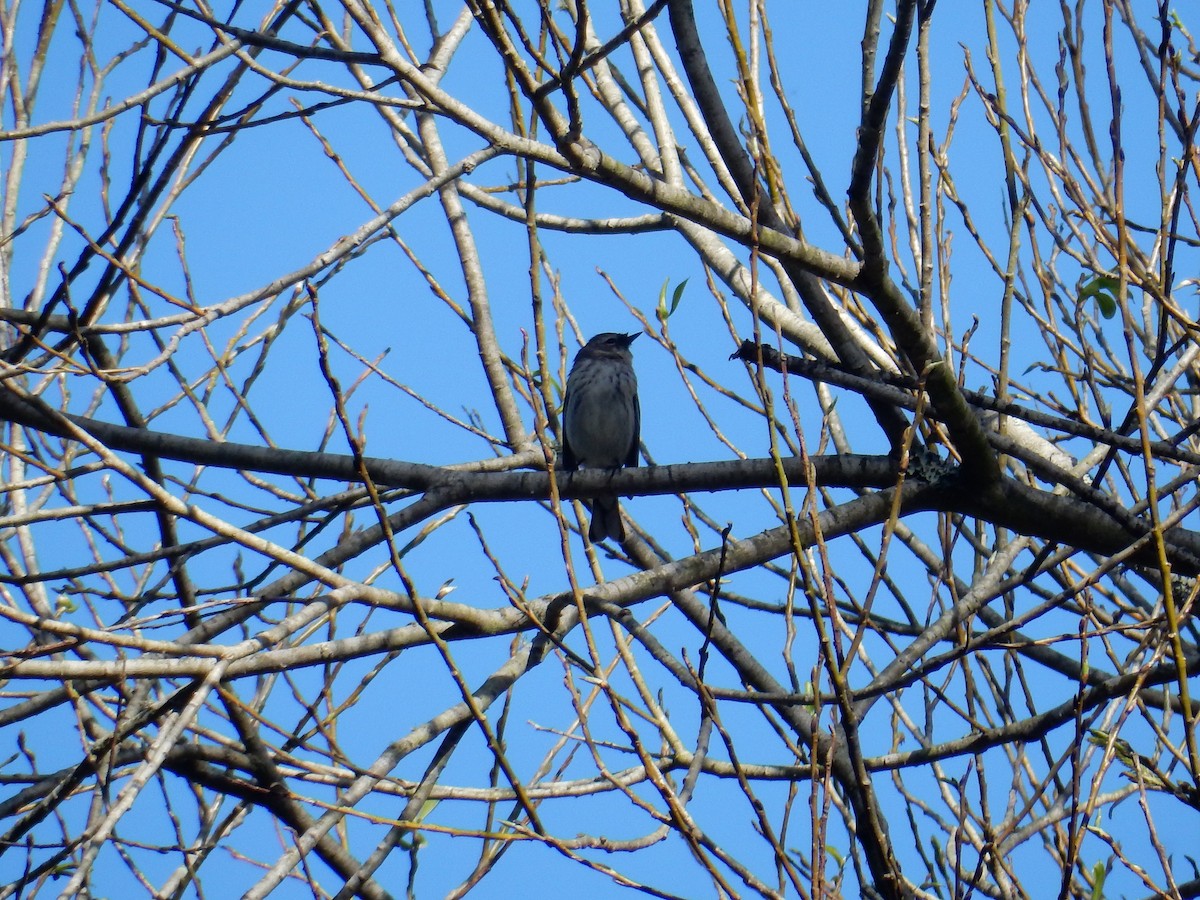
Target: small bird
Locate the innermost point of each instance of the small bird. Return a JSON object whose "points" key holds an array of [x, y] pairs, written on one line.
{"points": [[602, 420]]}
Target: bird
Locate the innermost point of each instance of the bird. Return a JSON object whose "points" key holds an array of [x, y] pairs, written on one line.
{"points": [[602, 420]]}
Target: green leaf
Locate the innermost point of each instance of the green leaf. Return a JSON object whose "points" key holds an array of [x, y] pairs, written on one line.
{"points": [[1103, 289], [663, 311], [677, 296], [1099, 872]]}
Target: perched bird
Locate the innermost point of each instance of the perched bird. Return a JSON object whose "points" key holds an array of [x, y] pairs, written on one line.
{"points": [[602, 421]]}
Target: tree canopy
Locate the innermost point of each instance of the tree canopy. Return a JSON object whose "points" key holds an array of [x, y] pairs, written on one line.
{"points": [[294, 601]]}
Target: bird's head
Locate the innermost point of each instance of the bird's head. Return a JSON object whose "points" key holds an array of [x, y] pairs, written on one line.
{"points": [[610, 344]]}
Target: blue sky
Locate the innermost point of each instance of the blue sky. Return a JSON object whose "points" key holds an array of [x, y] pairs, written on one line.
{"points": [[274, 201]]}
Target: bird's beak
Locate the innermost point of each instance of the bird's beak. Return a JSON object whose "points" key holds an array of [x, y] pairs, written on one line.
{"points": [[630, 338]]}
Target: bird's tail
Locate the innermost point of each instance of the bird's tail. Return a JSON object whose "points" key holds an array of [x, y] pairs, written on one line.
{"points": [[606, 520]]}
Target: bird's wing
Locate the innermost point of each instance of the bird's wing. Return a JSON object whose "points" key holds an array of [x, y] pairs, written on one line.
{"points": [[632, 458], [567, 462]]}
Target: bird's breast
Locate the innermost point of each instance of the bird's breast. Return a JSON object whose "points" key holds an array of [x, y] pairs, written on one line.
{"points": [[600, 420]]}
